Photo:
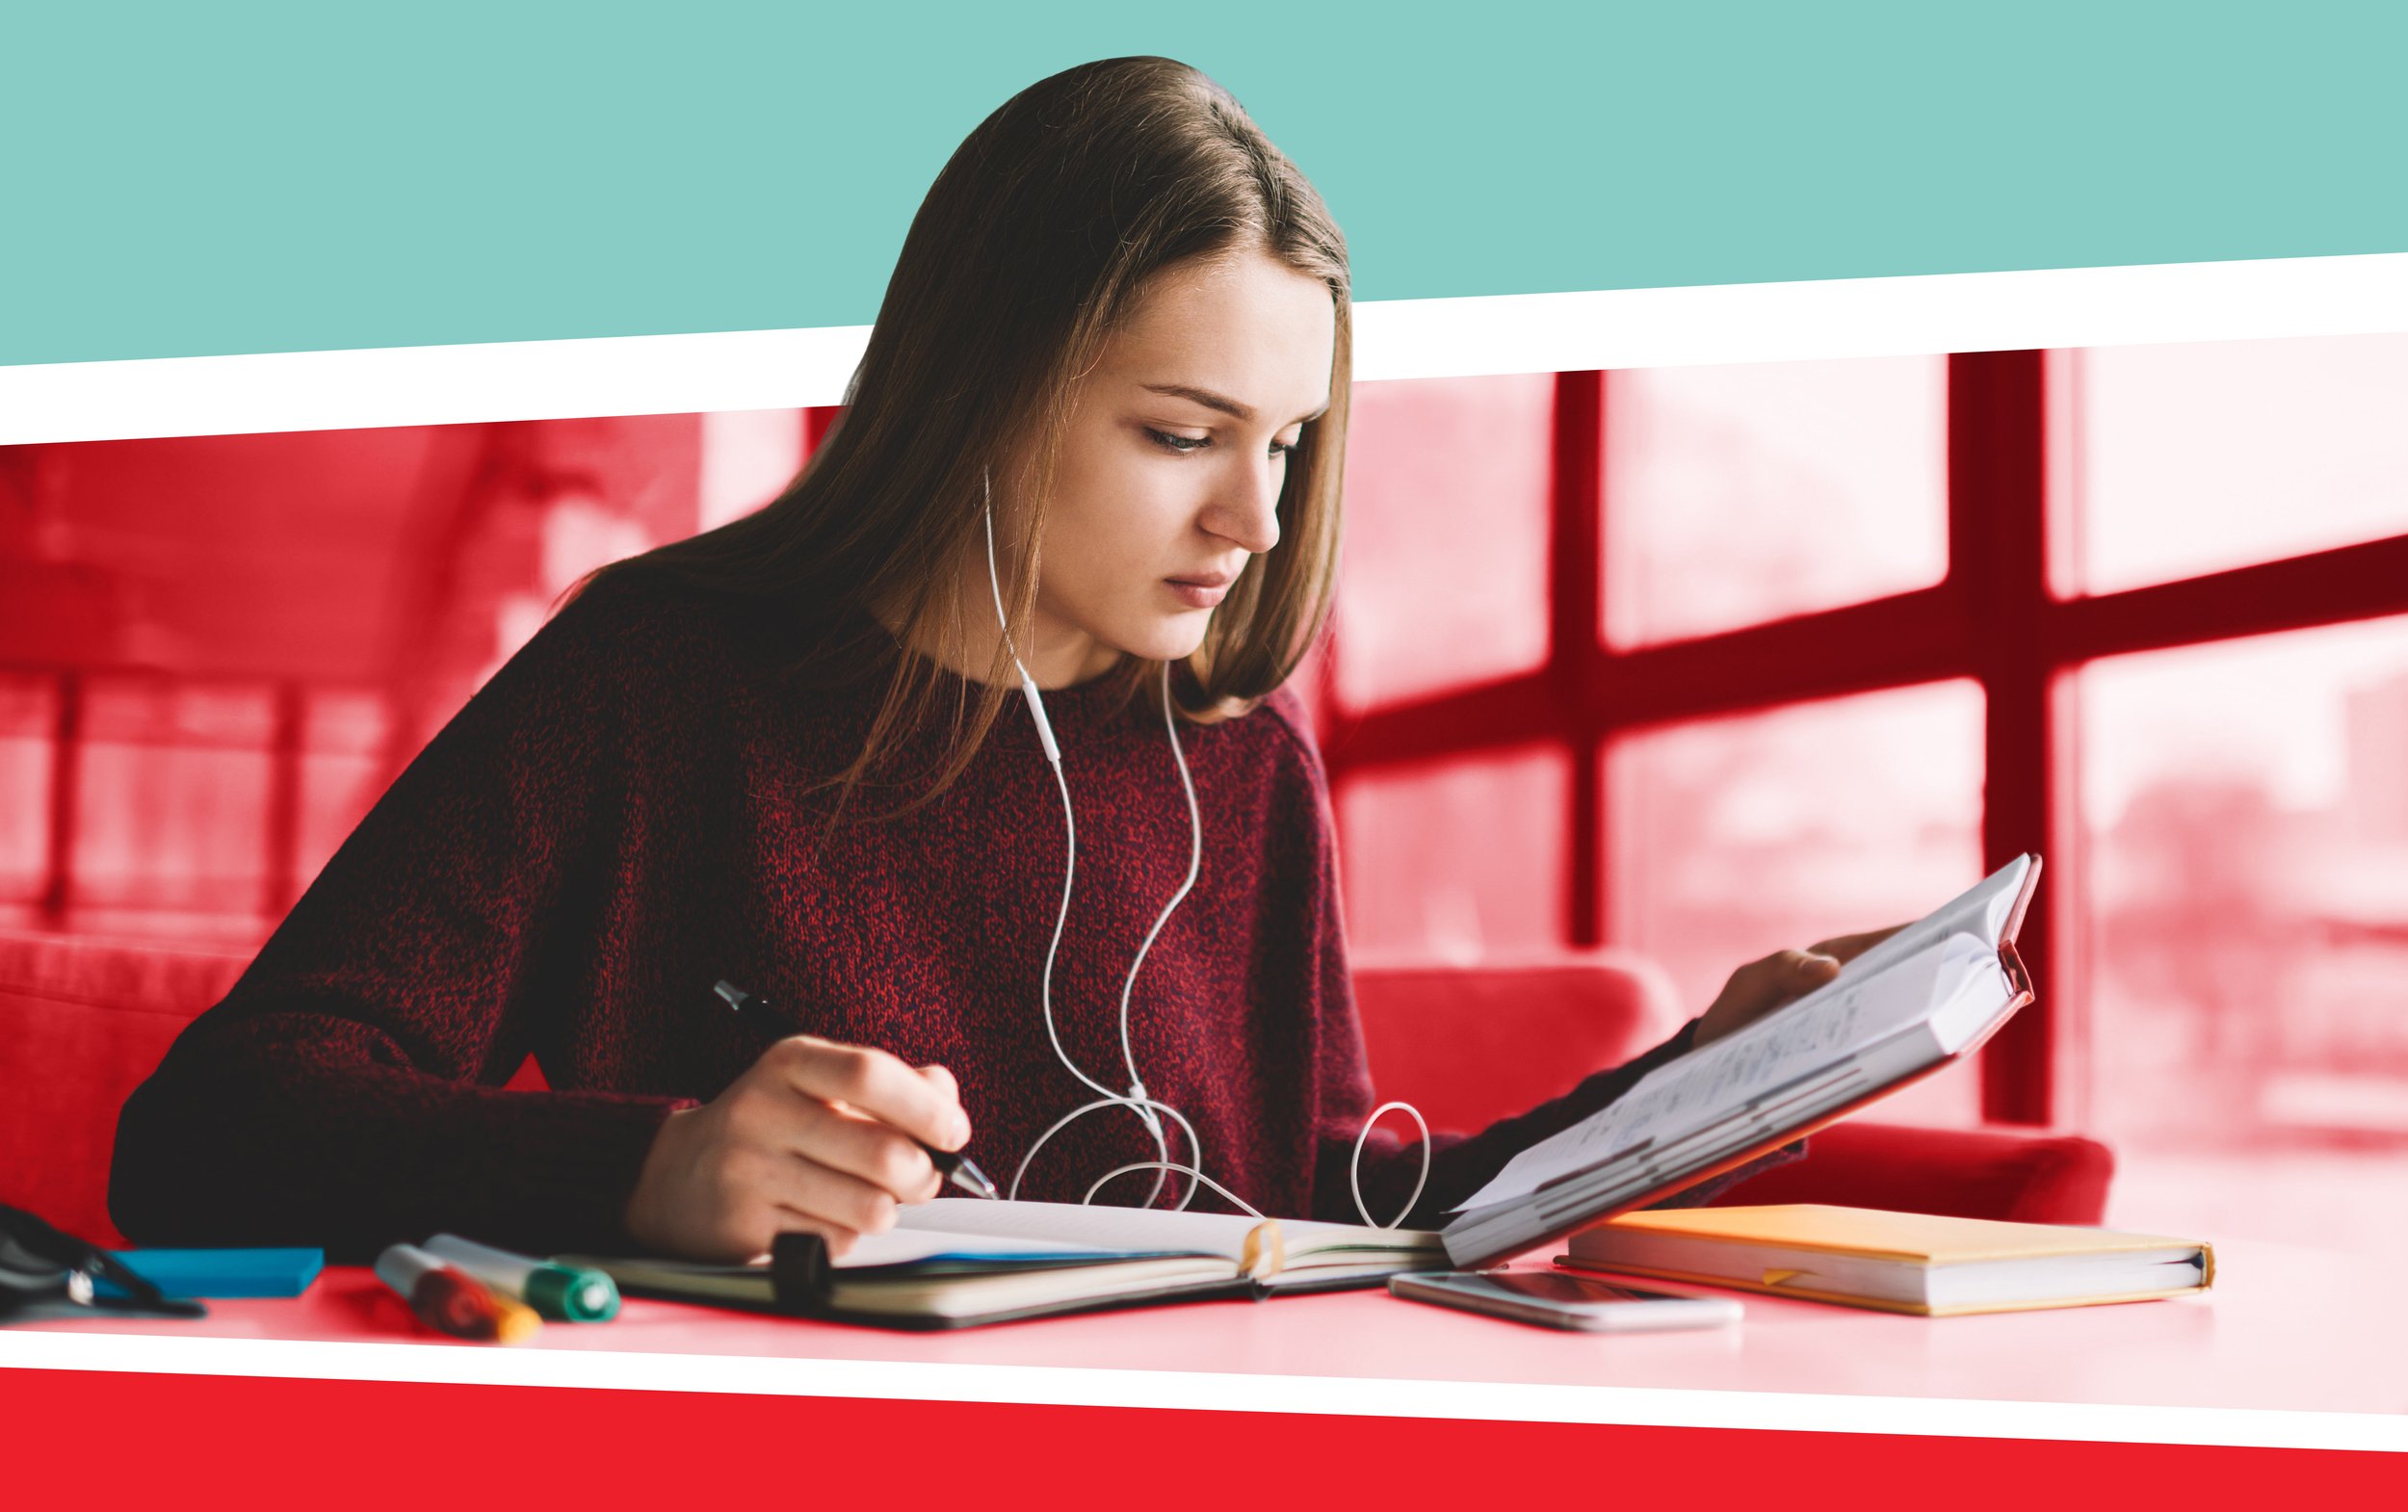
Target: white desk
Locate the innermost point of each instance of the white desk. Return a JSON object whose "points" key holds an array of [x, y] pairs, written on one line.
{"points": [[2285, 1331]]}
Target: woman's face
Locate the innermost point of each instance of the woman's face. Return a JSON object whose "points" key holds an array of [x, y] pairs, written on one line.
{"points": [[1172, 464]]}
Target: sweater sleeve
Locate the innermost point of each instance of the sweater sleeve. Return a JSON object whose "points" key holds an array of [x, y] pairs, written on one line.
{"points": [[347, 1092]]}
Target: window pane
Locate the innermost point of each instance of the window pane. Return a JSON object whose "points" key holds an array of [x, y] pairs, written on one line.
{"points": [[1731, 839], [2245, 907], [172, 795], [1445, 580], [1735, 495], [1457, 862], [29, 718], [342, 755], [748, 456], [2199, 458]]}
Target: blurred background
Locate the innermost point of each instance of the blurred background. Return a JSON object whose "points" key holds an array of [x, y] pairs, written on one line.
{"points": [[1701, 662]]}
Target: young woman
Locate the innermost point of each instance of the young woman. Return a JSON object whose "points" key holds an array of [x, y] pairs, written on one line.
{"points": [[1085, 503]]}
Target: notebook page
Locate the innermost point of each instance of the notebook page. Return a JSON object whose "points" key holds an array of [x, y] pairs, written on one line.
{"points": [[899, 1246], [1137, 1228], [896, 1246], [1104, 1228]]}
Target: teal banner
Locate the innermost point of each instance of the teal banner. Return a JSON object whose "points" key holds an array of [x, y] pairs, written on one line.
{"points": [[205, 180]]}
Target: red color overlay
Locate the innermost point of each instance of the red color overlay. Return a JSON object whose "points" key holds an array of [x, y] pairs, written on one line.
{"points": [[412, 1445]]}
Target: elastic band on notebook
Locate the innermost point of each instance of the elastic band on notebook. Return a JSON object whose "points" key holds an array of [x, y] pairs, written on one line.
{"points": [[1265, 1253]]}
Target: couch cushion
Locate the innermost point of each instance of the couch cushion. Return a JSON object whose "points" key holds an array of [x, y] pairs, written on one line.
{"points": [[1470, 1045], [83, 1020]]}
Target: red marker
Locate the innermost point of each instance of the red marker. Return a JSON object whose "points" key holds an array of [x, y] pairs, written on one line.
{"points": [[452, 1301]]}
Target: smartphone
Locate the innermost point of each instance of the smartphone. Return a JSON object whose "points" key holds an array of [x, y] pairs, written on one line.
{"points": [[1556, 1300]]}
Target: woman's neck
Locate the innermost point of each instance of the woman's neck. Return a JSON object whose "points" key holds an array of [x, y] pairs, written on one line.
{"points": [[961, 636]]}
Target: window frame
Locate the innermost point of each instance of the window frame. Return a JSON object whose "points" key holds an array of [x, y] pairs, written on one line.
{"points": [[1994, 618]]}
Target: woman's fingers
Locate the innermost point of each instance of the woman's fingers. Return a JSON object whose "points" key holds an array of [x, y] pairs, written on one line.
{"points": [[1789, 976], [864, 1148], [1759, 986], [1778, 977], [837, 1199], [817, 1136], [770, 1191], [1812, 967], [875, 1083], [1847, 946]]}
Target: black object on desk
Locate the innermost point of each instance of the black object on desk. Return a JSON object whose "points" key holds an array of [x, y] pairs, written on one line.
{"points": [[47, 1273], [956, 1169]]}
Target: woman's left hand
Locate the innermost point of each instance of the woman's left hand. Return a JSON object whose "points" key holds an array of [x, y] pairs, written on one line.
{"points": [[1759, 987]]}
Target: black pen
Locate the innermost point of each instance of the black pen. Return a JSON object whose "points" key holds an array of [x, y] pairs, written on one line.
{"points": [[956, 1169]]}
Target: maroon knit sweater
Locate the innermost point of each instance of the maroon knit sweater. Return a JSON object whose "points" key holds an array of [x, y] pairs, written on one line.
{"points": [[616, 821]]}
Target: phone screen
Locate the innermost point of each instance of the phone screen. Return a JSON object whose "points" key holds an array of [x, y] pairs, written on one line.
{"points": [[1548, 1285]]}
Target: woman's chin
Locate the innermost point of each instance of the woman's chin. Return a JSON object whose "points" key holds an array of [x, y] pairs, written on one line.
{"points": [[1172, 639]]}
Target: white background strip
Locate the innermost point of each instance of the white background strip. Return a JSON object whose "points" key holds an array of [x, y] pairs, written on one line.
{"points": [[1395, 339]]}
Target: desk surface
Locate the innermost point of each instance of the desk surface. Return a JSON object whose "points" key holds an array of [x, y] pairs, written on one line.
{"points": [[2285, 1329]]}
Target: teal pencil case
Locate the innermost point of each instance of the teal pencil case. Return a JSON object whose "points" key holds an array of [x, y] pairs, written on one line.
{"points": [[226, 1273]]}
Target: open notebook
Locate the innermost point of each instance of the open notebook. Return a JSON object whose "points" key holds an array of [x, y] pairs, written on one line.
{"points": [[958, 1261], [1922, 999]]}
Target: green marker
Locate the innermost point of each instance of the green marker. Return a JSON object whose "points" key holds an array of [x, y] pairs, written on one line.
{"points": [[569, 1292]]}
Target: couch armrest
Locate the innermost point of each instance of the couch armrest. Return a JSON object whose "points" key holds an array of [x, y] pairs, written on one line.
{"points": [[1970, 1173], [83, 1021]]}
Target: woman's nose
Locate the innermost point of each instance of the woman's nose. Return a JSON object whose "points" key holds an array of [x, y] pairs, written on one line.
{"points": [[1247, 513]]}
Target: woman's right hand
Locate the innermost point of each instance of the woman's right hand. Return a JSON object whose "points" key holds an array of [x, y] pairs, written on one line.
{"points": [[816, 1136]]}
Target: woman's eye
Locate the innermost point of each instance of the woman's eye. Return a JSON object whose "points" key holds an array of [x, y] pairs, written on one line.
{"points": [[1183, 444]]}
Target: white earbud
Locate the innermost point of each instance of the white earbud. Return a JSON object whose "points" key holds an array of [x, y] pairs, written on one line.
{"points": [[1028, 683]]}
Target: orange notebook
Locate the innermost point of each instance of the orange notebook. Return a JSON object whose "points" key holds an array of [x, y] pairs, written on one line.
{"points": [[1897, 1262]]}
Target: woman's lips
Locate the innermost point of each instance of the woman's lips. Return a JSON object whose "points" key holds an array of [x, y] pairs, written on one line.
{"points": [[1197, 595]]}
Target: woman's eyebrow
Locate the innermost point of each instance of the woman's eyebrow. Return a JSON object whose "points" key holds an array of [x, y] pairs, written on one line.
{"points": [[1222, 402]]}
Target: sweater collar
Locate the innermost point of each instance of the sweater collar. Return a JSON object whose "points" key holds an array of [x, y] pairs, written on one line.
{"points": [[1088, 709]]}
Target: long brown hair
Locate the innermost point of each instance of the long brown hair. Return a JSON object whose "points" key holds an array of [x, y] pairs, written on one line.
{"points": [[1032, 246]]}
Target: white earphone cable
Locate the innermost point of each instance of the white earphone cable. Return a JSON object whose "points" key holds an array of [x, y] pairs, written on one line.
{"points": [[1354, 1170], [1135, 1099]]}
